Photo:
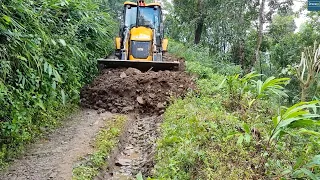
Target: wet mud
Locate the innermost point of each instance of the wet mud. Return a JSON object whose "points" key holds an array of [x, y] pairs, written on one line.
{"points": [[135, 152]]}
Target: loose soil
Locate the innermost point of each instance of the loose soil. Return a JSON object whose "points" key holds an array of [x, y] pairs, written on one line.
{"points": [[130, 90], [54, 157]]}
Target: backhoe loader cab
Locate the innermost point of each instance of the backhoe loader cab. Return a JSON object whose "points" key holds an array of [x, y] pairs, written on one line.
{"points": [[143, 24], [141, 40]]}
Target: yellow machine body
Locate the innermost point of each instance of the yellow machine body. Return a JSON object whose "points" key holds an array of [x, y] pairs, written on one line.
{"points": [[141, 34], [141, 41]]}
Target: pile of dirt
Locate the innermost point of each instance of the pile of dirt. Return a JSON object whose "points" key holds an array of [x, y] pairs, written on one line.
{"points": [[127, 90]]}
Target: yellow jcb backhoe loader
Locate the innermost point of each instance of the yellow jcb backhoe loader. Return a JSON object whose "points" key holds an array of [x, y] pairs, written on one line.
{"points": [[141, 41]]}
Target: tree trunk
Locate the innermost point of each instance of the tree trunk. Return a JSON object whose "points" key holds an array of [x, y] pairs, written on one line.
{"points": [[242, 40], [260, 33], [198, 33], [303, 96], [242, 53], [199, 23]]}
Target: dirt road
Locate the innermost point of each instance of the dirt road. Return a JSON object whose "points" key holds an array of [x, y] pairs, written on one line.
{"points": [[54, 157], [144, 95]]}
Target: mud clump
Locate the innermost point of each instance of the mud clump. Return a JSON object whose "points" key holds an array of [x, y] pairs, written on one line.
{"points": [[130, 90]]}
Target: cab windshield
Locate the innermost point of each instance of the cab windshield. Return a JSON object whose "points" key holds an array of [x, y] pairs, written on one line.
{"points": [[148, 17]]}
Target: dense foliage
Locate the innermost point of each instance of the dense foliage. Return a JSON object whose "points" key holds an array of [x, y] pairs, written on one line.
{"points": [[235, 127], [243, 124], [47, 52], [255, 69]]}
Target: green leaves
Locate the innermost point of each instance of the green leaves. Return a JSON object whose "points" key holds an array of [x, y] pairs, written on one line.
{"points": [[246, 137], [248, 89], [47, 51], [63, 97], [51, 71], [298, 113], [306, 171], [273, 85], [139, 176], [7, 19], [62, 42]]}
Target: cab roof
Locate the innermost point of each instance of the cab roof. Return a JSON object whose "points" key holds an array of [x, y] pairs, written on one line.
{"points": [[135, 4]]}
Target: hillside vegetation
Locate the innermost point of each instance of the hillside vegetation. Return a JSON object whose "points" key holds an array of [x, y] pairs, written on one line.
{"points": [[236, 127], [47, 52], [254, 113]]}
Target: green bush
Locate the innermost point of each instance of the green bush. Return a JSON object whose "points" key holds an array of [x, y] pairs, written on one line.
{"points": [[47, 52]]}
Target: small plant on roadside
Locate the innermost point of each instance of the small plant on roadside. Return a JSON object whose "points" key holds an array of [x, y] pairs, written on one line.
{"points": [[296, 117], [307, 170], [239, 88], [246, 88]]}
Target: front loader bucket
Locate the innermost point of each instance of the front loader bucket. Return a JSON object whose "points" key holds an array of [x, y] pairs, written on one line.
{"points": [[141, 65]]}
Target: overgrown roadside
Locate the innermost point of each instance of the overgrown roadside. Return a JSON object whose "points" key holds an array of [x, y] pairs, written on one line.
{"points": [[231, 128], [48, 51]]}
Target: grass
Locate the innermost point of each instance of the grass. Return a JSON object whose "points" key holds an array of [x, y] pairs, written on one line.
{"points": [[105, 141]]}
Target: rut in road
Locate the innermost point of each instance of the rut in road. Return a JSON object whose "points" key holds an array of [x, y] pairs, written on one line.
{"points": [[135, 152]]}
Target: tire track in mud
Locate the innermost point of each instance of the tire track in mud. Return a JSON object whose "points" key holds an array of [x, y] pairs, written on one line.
{"points": [[136, 149]]}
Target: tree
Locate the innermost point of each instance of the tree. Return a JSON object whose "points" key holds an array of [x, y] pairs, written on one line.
{"points": [[308, 69], [285, 45], [260, 29], [281, 26], [275, 6], [193, 13]]}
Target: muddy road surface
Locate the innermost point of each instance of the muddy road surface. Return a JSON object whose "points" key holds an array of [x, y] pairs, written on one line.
{"points": [[54, 157], [135, 152], [142, 95], [146, 95]]}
